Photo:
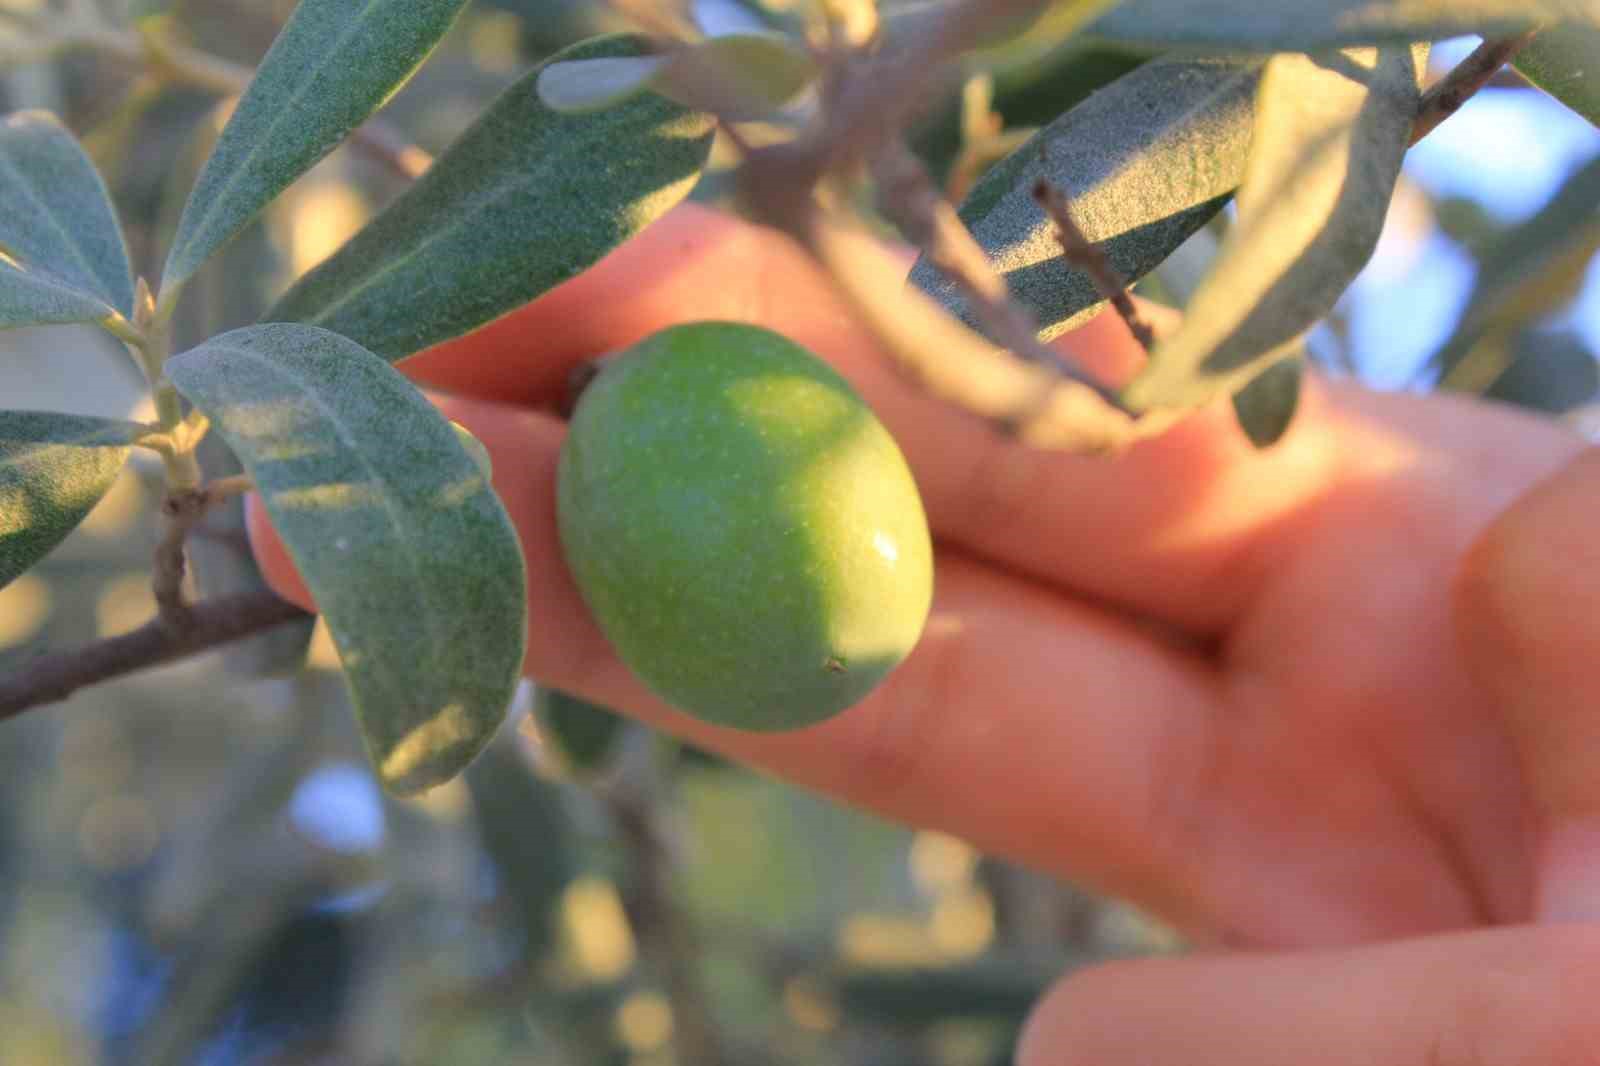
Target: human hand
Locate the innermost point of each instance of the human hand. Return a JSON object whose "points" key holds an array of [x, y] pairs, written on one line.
{"points": [[1238, 688]]}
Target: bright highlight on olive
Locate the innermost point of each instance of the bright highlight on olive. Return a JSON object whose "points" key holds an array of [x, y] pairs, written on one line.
{"points": [[745, 531]]}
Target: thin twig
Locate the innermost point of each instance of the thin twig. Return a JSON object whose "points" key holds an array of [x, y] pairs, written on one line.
{"points": [[910, 199], [1090, 258], [54, 676], [183, 510], [1471, 74]]}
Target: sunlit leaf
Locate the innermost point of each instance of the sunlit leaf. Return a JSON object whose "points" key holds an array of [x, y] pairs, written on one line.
{"points": [[1266, 406], [580, 734], [740, 76], [58, 221], [1145, 162], [403, 543], [332, 66], [1309, 25], [527, 198], [1526, 268], [1564, 61], [53, 470], [1330, 133]]}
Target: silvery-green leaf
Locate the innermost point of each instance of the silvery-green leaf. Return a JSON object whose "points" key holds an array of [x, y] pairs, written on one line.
{"points": [[56, 217], [404, 545], [29, 299], [1145, 162], [1266, 406], [1564, 61], [53, 470], [332, 66], [1330, 133], [1514, 280], [527, 198], [1311, 25], [581, 734], [739, 76]]}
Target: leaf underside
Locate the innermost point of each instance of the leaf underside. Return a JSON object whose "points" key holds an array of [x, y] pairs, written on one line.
{"points": [[1564, 61], [58, 223], [526, 199], [1265, 407], [53, 469], [1145, 162], [1331, 131], [404, 546], [334, 63]]}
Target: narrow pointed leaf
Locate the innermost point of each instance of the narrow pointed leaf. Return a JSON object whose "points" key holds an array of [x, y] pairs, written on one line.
{"points": [[527, 198], [1515, 279], [1311, 25], [1266, 406], [332, 66], [1146, 162], [1330, 133], [403, 543], [57, 219], [29, 299], [53, 470], [1564, 61], [738, 76]]}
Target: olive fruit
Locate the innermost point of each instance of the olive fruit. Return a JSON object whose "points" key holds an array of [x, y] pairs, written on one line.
{"points": [[744, 530]]}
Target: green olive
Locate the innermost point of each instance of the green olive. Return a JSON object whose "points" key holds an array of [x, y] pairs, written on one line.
{"points": [[743, 528]]}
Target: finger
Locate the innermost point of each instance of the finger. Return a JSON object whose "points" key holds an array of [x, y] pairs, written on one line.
{"points": [[1036, 727], [1516, 995], [1528, 614]]}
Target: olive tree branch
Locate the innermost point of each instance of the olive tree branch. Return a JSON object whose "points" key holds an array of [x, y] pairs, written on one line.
{"points": [[54, 676], [1471, 74]]}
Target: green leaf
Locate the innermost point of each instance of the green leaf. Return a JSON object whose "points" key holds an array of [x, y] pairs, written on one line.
{"points": [[1550, 372], [404, 545], [58, 220], [1146, 161], [28, 299], [581, 734], [529, 836], [334, 64], [1515, 279], [527, 198], [53, 470], [1564, 61], [1311, 25], [1330, 133], [738, 76], [1266, 406]]}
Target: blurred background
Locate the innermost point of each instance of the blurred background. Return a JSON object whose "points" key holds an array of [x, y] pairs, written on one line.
{"points": [[196, 866]]}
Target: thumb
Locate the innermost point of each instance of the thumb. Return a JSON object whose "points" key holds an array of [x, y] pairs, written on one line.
{"points": [[1527, 611]]}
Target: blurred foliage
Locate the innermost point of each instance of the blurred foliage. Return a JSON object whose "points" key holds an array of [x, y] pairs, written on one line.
{"points": [[196, 867]]}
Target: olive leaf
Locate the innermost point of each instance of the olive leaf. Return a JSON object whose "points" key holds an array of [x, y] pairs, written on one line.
{"points": [[394, 527], [1266, 406], [1146, 162], [581, 734], [332, 66], [1514, 280], [58, 225], [53, 470], [738, 76], [526, 198], [1330, 133], [28, 299], [528, 835], [1311, 25], [1564, 61], [1550, 371]]}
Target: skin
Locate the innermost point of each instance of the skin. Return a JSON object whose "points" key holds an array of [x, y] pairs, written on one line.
{"points": [[1329, 708]]}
